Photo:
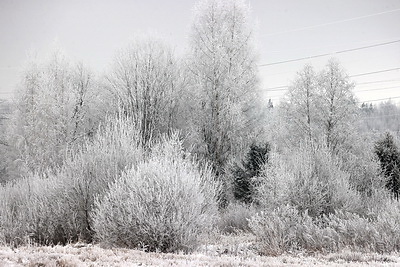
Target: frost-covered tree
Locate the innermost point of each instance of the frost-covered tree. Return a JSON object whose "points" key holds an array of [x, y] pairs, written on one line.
{"points": [[50, 113], [145, 82], [3, 144], [224, 76], [320, 108], [300, 109], [4, 110], [337, 106]]}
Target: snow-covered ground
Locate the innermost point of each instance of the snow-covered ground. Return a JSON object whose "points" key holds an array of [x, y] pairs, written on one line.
{"points": [[211, 255]]}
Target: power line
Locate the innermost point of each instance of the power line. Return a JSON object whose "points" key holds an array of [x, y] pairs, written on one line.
{"points": [[369, 73], [333, 22], [365, 101], [328, 54], [284, 87], [377, 89], [381, 81], [355, 91]]}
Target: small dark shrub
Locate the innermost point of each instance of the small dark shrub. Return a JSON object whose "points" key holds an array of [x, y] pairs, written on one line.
{"points": [[389, 158], [250, 167]]}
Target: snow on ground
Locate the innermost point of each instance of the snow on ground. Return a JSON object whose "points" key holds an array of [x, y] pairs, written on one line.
{"points": [[94, 255]]}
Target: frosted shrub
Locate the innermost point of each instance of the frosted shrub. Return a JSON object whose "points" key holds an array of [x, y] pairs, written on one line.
{"points": [[13, 217], [234, 218], [88, 173], [275, 230], [379, 233], [56, 207], [309, 180], [273, 184], [29, 210], [320, 186], [163, 205], [285, 229]]}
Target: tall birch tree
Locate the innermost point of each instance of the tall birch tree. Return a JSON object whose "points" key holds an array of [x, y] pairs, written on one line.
{"points": [[224, 77]]}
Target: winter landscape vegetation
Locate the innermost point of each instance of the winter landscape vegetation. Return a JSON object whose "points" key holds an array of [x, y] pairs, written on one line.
{"points": [[179, 160]]}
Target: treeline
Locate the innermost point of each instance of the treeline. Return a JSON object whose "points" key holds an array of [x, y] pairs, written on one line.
{"points": [[161, 150], [381, 117]]}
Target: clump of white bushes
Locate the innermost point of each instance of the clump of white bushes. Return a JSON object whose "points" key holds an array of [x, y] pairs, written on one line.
{"points": [[308, 202], [286, 229], [113, 190], [55, 206]]}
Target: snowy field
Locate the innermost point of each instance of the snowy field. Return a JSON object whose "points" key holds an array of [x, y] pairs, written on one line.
{"points": [[226, 251], [96, 256]]}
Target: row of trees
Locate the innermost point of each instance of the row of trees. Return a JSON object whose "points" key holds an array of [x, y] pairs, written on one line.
{"points": [[209, 94], [381, 117]]}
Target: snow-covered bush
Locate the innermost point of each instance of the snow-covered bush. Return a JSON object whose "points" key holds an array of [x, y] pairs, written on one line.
{"points": [[13, 199], [286, 229], [30, 210], [310, 180], [89, 171], [275, 230], [234, 218], [162, 205], [320, 186], [56, 207]]}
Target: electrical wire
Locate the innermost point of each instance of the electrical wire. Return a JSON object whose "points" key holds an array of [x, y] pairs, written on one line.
{"points": [[284, 87], [328, 54], [333, 22], [376, 89], [374, 72], [381, 81]]}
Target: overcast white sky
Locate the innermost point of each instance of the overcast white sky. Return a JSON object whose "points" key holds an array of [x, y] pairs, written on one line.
{"points": [[92, 30]]}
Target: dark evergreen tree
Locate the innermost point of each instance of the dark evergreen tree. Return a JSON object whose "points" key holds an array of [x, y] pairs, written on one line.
{"points": [[389, 158], [251, 166], [270, 104]]}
